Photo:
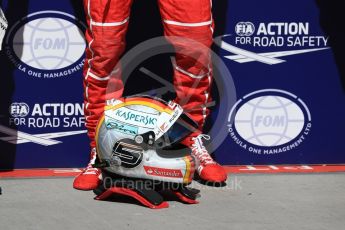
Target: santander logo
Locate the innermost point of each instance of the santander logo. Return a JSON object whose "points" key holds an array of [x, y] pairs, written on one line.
{"points": [[175, 173]]}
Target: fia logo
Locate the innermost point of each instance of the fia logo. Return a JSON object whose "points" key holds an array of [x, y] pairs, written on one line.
{"points": [[19, 109], [244, 29]]}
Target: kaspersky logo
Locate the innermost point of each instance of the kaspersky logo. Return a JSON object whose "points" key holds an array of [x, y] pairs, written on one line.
{"points": [[128, 115], [268, 42]]}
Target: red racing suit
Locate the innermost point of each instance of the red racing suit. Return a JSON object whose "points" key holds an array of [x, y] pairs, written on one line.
{"points": [[107, 25]]}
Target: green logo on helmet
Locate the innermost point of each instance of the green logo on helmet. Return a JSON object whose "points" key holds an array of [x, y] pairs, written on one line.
{"points": [[132, 117]]}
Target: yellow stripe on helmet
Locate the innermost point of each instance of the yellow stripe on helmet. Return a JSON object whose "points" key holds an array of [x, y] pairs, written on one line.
{"points": [[187, 176], [139, 102], [100, 122]]}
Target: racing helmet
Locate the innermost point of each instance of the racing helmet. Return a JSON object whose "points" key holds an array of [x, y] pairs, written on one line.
{"points": [[131, 131]]}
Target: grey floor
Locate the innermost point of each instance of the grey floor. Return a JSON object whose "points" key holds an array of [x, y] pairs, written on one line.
{"points": [[313, 201]]}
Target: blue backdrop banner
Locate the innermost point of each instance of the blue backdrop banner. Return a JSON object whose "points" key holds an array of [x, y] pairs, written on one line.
{"points": [[283, 102]]}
